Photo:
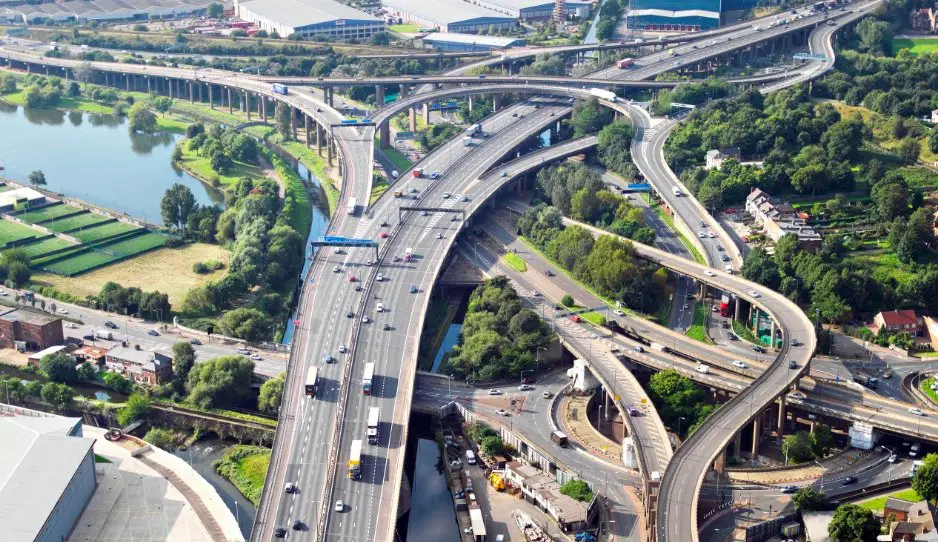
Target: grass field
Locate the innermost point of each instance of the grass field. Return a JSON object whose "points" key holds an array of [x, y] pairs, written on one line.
{"points": [[315, 163], [80, 262], [246, 467], [77, 221], [594, 318], [918, 46], [108, 253], [47, 212], [879, 503], [44, 246], [10, 231], [399, 160], [404, 28], [103, 231], [201, 168], [698, 329], [515, 262], [168, 270], [884, 266]]}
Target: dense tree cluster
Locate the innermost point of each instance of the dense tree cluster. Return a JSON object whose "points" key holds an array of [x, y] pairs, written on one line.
{"points": [[577, 489], [222, 381], [607, 264], [691, 93], [15, 269], [499, 337], [133, 301], [223, 147], [609, 13], [852, 523], [490, 442], [435, 135], [678, 400], [614, 145], [589, 117], [805, 147], [803, 446], [578, 192], [546, 64]]}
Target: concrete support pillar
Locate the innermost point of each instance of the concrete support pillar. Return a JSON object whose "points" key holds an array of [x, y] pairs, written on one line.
{"points": [[736, 311], [607, 407], [755, 437], [737, 444], [127, 81], [496, 102], [403, 91], [426, 114], [230, 107], [29, 68], [260, 106], [306, 129], [328, 92], [319, 134], [384, 135], [191, 93], [199, 88], [812, 425], [413, 119], [247, 104], [211, 99], [292, 121], [719, 464], [149, 87], [330, 151], [470, 103], [263, 100], [780, 426], [379, 96], [772, 334], [169, 85]]}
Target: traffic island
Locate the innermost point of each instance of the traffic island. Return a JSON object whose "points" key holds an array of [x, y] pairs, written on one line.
{"points": [[575, 423]]}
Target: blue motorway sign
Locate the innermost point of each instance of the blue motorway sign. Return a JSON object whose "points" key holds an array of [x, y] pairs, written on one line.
{"points": [[347, 241]]}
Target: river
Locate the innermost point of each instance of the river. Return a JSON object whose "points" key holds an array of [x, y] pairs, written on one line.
{"points": [[94, 158]]}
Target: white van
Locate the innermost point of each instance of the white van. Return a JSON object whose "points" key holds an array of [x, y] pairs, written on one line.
{"points": [[728, 268], [470, 457]]}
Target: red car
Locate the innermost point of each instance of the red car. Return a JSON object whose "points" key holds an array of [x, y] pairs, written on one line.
{"points": [[384, 235], [575, 318], [351, 278]]}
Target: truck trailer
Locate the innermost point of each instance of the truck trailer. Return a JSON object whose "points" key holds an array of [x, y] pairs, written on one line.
{"points": [[367, 378], [355, 461], [372, 432], [604, 94], [352, 205]]}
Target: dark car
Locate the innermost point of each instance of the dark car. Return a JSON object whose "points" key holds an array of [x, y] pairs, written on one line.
{"points": [[88, 337], [850, 480], [153, 333], [297, 525], [759, 349], [350, 314], [792, 364], [195, 342], [549, 273], [110, 325], [280, 532], [789, 489]]}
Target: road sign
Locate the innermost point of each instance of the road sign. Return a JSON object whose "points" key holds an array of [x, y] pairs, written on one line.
{"points": [[683, 106], [345, 241], [809, 56], [617, 397]]}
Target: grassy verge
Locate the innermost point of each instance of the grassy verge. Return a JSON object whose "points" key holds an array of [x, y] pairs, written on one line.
{"points": [[377, 189], [515, 262], [404, 28], [879, 503], [594, 318], [313, 162], [926, 354], [698, 329], [201, 168], [296, 203], [744, 332], [245, 467], [243, 416], [101, 459], [917, 46], [663, 316], [397, 158], [926, 385], [669, 220]]}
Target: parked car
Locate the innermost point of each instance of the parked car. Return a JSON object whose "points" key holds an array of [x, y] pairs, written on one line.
{"points": [[195, 342], [110, 325], [153, 333]]}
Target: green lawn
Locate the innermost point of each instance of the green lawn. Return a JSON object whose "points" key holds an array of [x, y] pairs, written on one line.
{"points": [[404, 28], [46, 245], [515, 262], [87, 106], [884, 266], [925, 386], [202, 168], [79, 263], [918, 46], [106, 254], [698, 329], [377, 190], [669, 220], [10, 231], [313, 162], [879, 503], [137, 243], [96, 233], [246, 467], [594, 318], [399, 160], [76, 221], [101, 459], [46, 212]]}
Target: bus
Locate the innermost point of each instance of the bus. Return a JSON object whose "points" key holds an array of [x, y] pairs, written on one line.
{"points": [[355, 461], [367, 378], [312, 381], [625, 63], [373, 422], [280, 89]]}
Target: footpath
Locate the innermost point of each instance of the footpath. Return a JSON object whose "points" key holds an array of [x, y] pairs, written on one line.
{"points": [[852, 460], [573, 421]]}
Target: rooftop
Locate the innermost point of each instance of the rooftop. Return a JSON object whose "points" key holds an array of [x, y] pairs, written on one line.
{"points": [[36, 453], [455, 37], [48, 351], [443, 12], [137, 357], [522, 4], [899, 318], [29, 317], [306, 12]]}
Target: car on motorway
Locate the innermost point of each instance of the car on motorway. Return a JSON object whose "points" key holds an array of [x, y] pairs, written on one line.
{"points": [[576, 318], [379, 278], [351, 278], [547, 394], [380, 307], [387, 327], [290, 487], [423, 213], [724, 257], [494, 391], [465, 198], [435, 175], [153, 333], [792, 364], [711, 235], [720, 248], [366, 319], [62, 311], [369, 263], [446, 195], [358, 287], [256, 357], [892, 458], [88, 337], [339, 506], [754, 293], [915, 411], [849, 481], [280, 532], [739, 364], [789, 489], [758, 349], [702, 369], [413, 289], [535, 293], [796, 396], [617, 312], [795, 342], [701, 234], [502, 412], [242, 350], [439, 235], [297, 525], [383, 235], [350, 314], [525, 387], [384, 224], [195, 342], [110, 325], [343, 349], [703, 224], [709, 273], [336, 269]]}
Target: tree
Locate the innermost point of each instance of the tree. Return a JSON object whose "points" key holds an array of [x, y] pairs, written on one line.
{"points": [[925, 481], [875, 36], [853, 524], [567, 300], [215, 10], [141, 118], [183, 360], [822, 440], [59, 368], [909, 150], [159, 437], [117, 382], [246, 323], [282, 119], [797, 447], [808, 499], [589, 117], [134, 409], [222, 381], [7, 83], [244, 149], [84, 73], [177, 204], [60, 396], [577, 489], [271, 395], [86, 371], [220, 161], [492, 445], [933, 141], [162, 104], [37, 178]]}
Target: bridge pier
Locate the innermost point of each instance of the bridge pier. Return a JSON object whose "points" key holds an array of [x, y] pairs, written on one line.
{"points": [[780, 427], [379, 96], [470, 103], [736, 311], [199, 88], [169, 85], [328, 92], [306, 129], [412, 112], [319, 133], [384, 135], [737, 444], [496, 102], [247, 104], [426, 114], [292, 120], [230, 107], [149, 87], [755, 436], [191, 93], [211, 99], [330, 152], [772, 334]]}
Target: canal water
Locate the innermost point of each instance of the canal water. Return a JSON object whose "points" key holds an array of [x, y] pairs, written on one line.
{"points": [[85, 390], [432, 515], [94, 158], [200, 456]]}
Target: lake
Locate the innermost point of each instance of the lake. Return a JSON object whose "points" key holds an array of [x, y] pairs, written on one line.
{"points": [[94, 158]]}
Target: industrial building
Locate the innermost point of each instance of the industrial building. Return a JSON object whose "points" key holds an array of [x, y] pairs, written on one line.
{"points": [[104, 10], [310, 18], [444, 41], [535, 9], [681, 15], [448, 15], [25, 329], [47, 476]]}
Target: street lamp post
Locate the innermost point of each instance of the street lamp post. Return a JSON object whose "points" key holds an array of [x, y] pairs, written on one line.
{"points": [[679, 420], [537, 359]]}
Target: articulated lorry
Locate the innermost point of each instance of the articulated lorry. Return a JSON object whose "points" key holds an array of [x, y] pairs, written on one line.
{"points": [[355, 461], [372, 432]]}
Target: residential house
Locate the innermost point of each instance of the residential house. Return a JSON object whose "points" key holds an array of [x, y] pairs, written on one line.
{"points": [[910, 521], [140, 366], [91, 354], [924, 20], [716, 157], [780, 218], [934, 116], [27, 330], [34, 359], [542, 489], [896, 321]]}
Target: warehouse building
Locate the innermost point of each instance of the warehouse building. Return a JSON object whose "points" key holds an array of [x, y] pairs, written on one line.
{"points": [[673, 15], [104, 10], [310, 18], [445, 41], [449, 15], [535, 9], [47, 476]]}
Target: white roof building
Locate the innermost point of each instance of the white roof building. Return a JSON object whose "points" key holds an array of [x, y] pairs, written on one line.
{"points": [[449, 15], [309, 18]]}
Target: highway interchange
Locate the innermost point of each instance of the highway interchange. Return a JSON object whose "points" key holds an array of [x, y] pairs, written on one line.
{"points": [[306, 451]]}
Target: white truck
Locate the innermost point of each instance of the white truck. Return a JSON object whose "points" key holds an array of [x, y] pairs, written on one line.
{"points": [[372, 432], [104, 334], [604, 94], [658, 347], [352, 205], [475, 129]]}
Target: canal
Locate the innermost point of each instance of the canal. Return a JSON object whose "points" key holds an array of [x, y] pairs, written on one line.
{"points": [[432, 515], [94, 158]]}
